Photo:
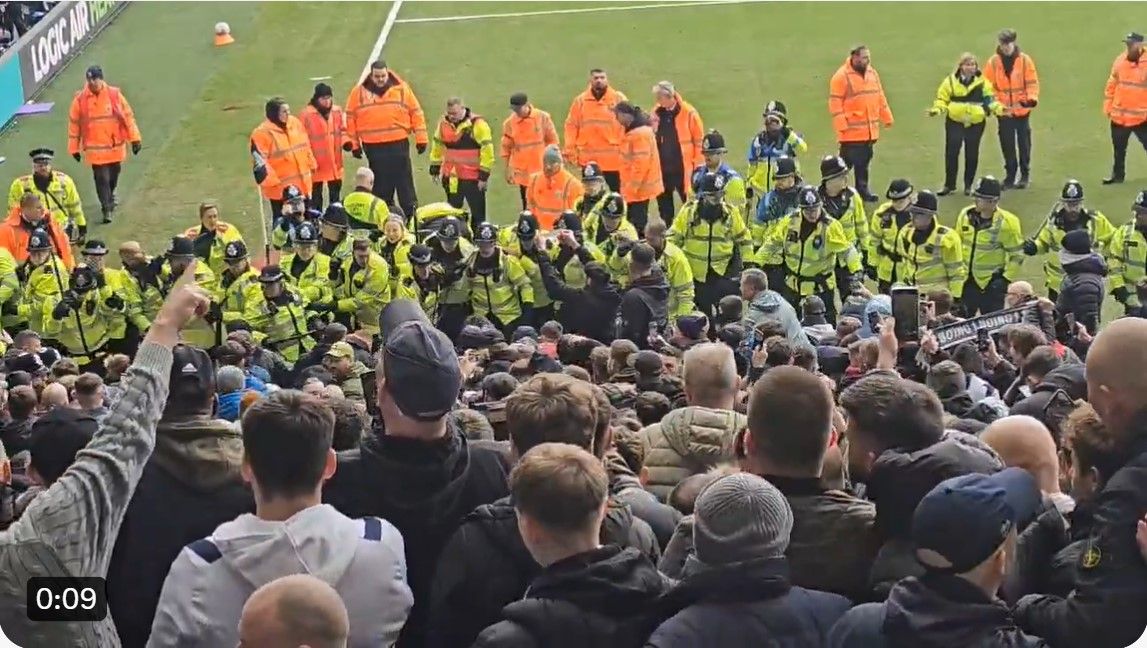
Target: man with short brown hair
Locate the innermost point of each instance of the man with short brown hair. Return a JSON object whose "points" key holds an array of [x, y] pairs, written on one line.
{"points": [[551, 408]]}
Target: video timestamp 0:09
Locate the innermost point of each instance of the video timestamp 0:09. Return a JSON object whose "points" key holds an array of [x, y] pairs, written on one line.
{"points": [[62, 598]]}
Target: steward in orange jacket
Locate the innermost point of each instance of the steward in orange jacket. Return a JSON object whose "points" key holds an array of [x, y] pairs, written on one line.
{"points": [[101, 124], [1012, 74], [552, 190], [858, 106], [24, 219], [592, 133], [325, 124], [1125, 103], [679, 131], [282, 154], [382, 113], [640, 165], [525, 136]]}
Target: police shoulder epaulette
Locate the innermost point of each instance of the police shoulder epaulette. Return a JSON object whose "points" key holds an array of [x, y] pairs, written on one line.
{"points": [[207, 550], [372, 529]]}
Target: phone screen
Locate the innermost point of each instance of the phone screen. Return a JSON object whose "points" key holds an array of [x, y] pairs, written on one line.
{"points": [[906, 310]]}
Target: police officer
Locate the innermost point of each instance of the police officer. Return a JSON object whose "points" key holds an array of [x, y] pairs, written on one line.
{"points": [[884, 232], [362, 206], [363, 289], [81, 319], [57, 193], [424, 281], [278, 319], [845, 204], [129, 322], [676, 267], [334, 238], [499, 288], [713, 148], [43, 279], [803, 255], [142, 283], [393, 245], [427, 217], [1068, 214], [776, 140], [283, 234], [181, 253], [929, 255], [993, 248], [294, 204], [573, 252], [594, 187], [713, 235], [9, 291], [1128, 257], [529, 245], [453, 254], [607, 225], [780, 201], [308, 271], [239, 288]]}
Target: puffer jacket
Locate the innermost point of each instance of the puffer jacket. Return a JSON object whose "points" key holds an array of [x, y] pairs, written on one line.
{"points": [[625, 488], [686, 442], [1083, 290]]}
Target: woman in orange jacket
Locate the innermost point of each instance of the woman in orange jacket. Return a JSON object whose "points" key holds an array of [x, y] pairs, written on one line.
{"points": [[640, 164], [282, 153], [25, 218], [325, 124]]}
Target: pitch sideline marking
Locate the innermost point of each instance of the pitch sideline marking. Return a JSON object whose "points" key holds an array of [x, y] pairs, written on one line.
{"points": [[391, 19], [554, 12]]}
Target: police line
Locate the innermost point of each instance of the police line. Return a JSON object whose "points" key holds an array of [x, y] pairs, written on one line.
{"points": [[42, 53], [951, 335]]}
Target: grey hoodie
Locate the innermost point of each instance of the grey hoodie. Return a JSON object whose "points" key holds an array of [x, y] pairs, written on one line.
{"points": [[211, 579]]}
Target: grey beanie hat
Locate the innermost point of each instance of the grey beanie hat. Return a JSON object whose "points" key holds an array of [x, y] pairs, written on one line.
{"points": [[740, 518]]}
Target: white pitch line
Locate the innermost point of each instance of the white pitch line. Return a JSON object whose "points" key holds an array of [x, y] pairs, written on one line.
{"points": [[391, 19], [555, 12]]}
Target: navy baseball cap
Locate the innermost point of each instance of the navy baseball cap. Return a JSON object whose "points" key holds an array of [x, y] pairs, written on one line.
{"points": [[963, 520], [419, 363]]}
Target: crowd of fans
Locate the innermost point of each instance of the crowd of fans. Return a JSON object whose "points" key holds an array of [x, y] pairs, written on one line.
{"points": [[16, 18], [766, 478]]}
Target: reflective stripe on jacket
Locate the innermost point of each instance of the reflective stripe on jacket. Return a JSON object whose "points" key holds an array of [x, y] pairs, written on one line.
{"points": [[592, 132], [969, 103], [1022, 84], [937, 263], [763, 154], [314, 281], [996, 248], [712, 245], [884, 232], [62, 198], [326, 135], [1125, 97], [100, 126], [465, 150], [1128, 258], [548, 196], [808, 263], [524, 141], [641, 165], [1048, 242], [390, 117], [857, 104], [501, 292], [287, 152]]}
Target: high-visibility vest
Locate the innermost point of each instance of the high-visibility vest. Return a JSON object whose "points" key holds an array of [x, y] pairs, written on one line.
{"points": [[61, 198], [938, 262], [282, 328], [1048, 241], [967, 104], [1128, 257], [857, 104], [808, 263], [501, 292], [85, 330], [712, 245], [120, 282], [732, 182], [592, 132], [548, 196], [998, 247], [287, 152], [198, 332], [524, 140], [40, 286], [396, 255], [364, 292], [884, 232], [763, 154], [101, 125], [9, 287], [238, 295], [390, 117], [848, 209], [641, 165], [1012, 89], [224, 233], [326, 135], [679, 274], [1125, 97], [459, 148], [453, 264], [313, 280], [690, 131], [14, 235]]}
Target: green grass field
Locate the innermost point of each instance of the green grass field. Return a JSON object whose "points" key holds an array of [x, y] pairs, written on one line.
{"points": [[197, 104]]}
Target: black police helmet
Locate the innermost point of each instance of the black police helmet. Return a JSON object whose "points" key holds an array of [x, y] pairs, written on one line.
{"points": [[925, 202], [235, 251], [1072, 191], [899, 188], [809, 197], [786, 167], [987, 187], [832, 166], [486, 233]]}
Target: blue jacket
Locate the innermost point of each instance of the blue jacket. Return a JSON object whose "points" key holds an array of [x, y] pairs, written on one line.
{"points": [[746, 605], [229, 405]]}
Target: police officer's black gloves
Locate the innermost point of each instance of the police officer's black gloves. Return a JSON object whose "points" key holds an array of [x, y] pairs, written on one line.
{"points": [[114, 302], [260, 173], [76, 157], [749, 193], [374, 236], [870, 271], [421, 148], [1121, 294], [136, 147], [214, 313], [435, 169], [61, 310], [9, 308], [336, 270], [348, 147], [284, 224], [357, 154], [1029, 248], [320, 307], [1029, 103]]}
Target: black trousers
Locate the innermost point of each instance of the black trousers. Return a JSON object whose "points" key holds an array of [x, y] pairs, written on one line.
{"points": [[522, 193], [393, 173], [474, 198], [707, 294], [858, 155], [843, 285], [1016, 141], [107, 179], [984, 300], [639, 215], [674, 183], [955, 136], [334, 193], [612, 180], [1120, 137]]}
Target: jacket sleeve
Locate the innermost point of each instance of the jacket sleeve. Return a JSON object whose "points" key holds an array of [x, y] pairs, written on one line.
{"points": [[885, 109], [943, 95], [505, 146], [636, 317], [1033, 78], [572, 128], [72, 203], [696, 134], [133, 134], [1104, 232], [837, 90], [271, 179], [174, 624], [549, 134], [991, 103], [75, 136], [437, 147], [1045, 239], [680, 226], [78, 517], [1109, 89], [15, 193], [952, 254], [556, 288], [796, 144], [862, 235], [352, 101], [1012, 240], [680, 277], [520, 280], [417, 119], [742, 238], [837, 243]]}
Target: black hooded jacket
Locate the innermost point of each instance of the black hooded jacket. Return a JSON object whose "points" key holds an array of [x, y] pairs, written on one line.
{"points": [[598, 599], [587, 311], [1070, 378], [645, 302], [1083, 290], [486, 566], [422, 488]]}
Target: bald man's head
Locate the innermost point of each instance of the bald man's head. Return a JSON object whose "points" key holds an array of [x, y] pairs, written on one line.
{"points": [[54, 395], [294, 611], [1018, 292], [1024, 442], [1116, 379]]}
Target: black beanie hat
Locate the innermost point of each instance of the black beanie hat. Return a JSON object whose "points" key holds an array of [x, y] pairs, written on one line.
{"points": [[323, 90]]}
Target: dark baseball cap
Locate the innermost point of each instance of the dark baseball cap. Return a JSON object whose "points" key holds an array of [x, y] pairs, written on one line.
{"points": [[56, 438], [519, 99], [418, 362], [962, 521], [1133, 37], [94, 72], [192, 375]]}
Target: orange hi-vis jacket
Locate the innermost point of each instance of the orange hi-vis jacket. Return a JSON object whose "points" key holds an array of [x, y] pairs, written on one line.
{"points": [[1125, 97], [524, 142], [101, 125], [1020, 85], [592, 131], [389, 117], [857, 104], [462, 147], [690, 131], [549, 196], [288, 155], [640, 164], [14, 235], [327, 135]]}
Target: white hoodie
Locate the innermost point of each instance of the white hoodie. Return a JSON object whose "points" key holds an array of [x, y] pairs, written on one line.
{"points": [[210, 580]]}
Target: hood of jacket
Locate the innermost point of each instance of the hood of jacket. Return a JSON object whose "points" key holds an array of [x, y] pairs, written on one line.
{"points": [[935, 611], [202, 452], [316, 541], [653, 283], [1093, 264], [702, 434], [1071, 378]]}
